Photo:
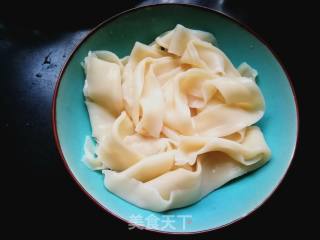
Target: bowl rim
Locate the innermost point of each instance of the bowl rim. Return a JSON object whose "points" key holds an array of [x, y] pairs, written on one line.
{"points": [[202, 8]]}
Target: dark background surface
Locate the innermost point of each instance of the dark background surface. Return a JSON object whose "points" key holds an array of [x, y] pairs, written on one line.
{"points": [[35, 41]]}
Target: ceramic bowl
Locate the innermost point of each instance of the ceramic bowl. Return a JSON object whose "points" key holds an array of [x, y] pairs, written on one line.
{"points": [[280, 123]]}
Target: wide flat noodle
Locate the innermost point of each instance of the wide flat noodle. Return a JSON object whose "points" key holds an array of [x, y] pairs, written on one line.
{"points": [[172, 121], [154, 183]]}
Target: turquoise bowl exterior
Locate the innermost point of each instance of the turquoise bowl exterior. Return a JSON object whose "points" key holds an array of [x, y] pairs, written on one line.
{"points": [[279, 124]]}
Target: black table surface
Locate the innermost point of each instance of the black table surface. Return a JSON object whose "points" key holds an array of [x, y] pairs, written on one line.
{"points": [[42, 197]]}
